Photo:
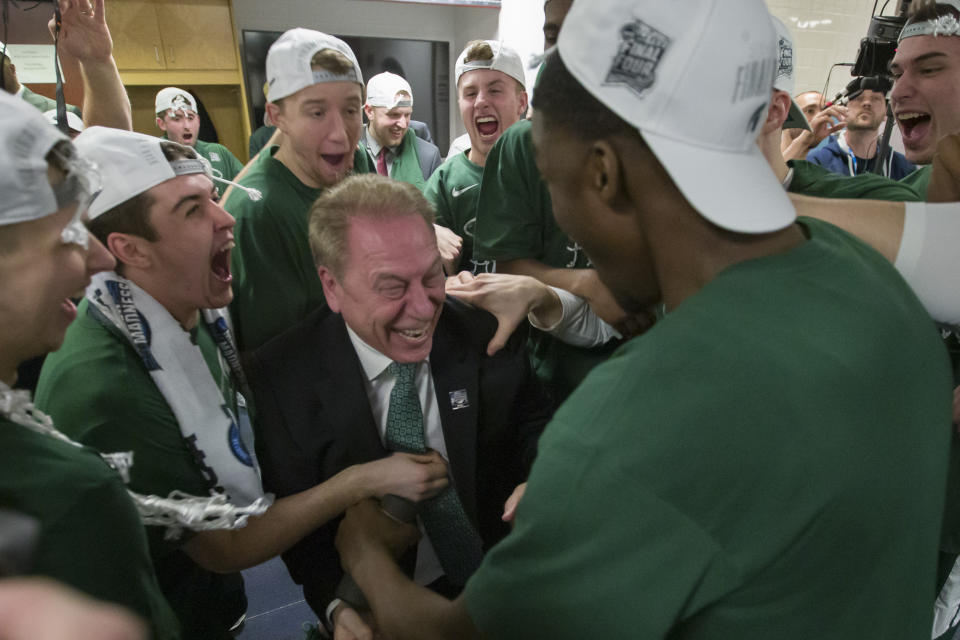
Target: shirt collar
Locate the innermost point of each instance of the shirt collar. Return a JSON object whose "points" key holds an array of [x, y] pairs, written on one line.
{"points": [[375, 146], [373, 362]]}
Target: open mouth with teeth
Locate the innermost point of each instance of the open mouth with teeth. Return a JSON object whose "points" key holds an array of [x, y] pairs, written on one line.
{"points": [[487, 125], [913, 125], [413, 335], [220, 264]]}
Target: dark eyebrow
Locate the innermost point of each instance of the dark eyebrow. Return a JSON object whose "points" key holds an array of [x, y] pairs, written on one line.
{"points": [[924, 58], [183, 200]]}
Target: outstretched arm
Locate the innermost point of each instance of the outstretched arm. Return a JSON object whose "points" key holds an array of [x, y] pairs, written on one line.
{"points": [[85, 37], [367, 541], [289, 519]]}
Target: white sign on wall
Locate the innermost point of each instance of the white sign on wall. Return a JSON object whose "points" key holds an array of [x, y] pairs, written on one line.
{"points": [[34, 62]]}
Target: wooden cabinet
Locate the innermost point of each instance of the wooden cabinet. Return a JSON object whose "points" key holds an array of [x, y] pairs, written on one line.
{"points": [[136, 34], [172, 34], [182, 43]]}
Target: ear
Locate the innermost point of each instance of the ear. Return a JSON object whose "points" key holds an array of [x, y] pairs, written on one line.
{"points": [[603, 173], [777, 114], [524, 103], [331, 288], [129, 249], [161, 124], [273, 112], [368, 111]]}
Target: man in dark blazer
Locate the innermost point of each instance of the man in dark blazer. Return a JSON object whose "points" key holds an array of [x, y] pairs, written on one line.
{"points": [[323, 390]]}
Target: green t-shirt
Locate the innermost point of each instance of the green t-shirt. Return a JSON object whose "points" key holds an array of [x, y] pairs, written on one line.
{"points": [[91, 537], [515, 220], [811, 179], [259, 139], [43, 103], [919, 180], [454, 189], [514, 211], [99, 393], [275, 282], [222, 160], [768, 461]]}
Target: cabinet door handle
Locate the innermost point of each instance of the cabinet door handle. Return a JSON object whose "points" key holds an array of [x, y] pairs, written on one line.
{"points": [[156, 52], [173, 57]]}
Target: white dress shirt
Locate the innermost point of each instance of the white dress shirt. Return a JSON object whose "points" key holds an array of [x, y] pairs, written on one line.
{"points": [[379, 383], [579, 325]]}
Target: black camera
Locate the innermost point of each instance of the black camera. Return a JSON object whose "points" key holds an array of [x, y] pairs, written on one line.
{"points": [[877, 49]]}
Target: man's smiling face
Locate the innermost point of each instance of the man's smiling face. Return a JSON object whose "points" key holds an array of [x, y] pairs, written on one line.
{"points": [[926, 93]]}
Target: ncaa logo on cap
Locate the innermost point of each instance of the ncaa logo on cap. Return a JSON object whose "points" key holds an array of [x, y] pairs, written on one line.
{"points": [[641, 49], [786, 58]]}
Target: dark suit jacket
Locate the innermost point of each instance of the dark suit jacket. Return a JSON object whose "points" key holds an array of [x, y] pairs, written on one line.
{"points": [[430, 158], [314, 419]]}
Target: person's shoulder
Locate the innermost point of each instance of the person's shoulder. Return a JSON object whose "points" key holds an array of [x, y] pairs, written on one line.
{"points": [[473, 328], [37, 461], [218, 148], [828, 149], [297, 344], [89, 346], [262, 175], [424, 146], [95, 373], [519, 134]]}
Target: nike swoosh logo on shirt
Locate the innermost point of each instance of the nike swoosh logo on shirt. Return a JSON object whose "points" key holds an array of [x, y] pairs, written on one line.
{"points": [[456, 193]]}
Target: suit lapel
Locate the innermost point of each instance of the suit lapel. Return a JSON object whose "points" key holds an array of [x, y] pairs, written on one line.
{"points": [[344, 405], [454, 371]]}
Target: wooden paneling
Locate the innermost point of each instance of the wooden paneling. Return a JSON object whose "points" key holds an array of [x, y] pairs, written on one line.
{"points": [[137, 43], [197, 34]]}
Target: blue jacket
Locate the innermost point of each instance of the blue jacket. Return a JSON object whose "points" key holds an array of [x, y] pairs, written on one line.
{"points": [[833, 157]]}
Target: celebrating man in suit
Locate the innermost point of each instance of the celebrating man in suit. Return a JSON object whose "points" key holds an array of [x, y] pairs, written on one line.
{"points": [[392, 365]]}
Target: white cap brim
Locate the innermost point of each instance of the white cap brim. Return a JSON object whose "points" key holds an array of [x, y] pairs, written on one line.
{"points": [[130, 164], [726, 188]]}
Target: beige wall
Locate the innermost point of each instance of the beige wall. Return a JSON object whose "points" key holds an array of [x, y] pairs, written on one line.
{"points": [[825, 32], [456, 25]]}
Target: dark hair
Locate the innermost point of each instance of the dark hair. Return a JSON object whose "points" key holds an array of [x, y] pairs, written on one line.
{"points": [[562, 100], [132, 216], [923, 10]]}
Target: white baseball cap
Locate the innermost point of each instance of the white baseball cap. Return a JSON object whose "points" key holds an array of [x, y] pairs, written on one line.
{"points": [[383, 90], [174, 99], [695, 78], [73, 120], [505, 60], [25, 140], [942, 26], [130, 163], [288, 62], [786, 76]]}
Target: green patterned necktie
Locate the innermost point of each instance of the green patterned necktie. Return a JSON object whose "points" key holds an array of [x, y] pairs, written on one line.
{"points": [[456, 542]]}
